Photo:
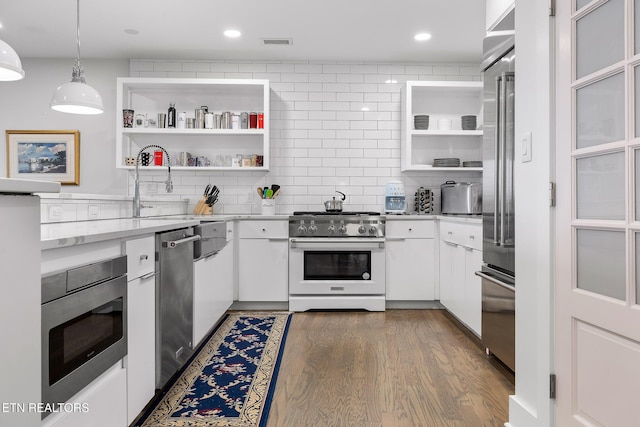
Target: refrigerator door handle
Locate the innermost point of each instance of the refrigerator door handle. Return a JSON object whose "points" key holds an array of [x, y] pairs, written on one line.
{"points": [[507, 214], [495, 281], [502, 127], [497, 170]]}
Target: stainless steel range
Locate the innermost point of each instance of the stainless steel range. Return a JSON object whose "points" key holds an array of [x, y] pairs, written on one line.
{"points": [[336, 261]]}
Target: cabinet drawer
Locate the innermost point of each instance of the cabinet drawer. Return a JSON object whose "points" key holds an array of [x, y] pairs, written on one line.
{"points": [[403, 229], [259, 229], [140, 256], [465, 234]]}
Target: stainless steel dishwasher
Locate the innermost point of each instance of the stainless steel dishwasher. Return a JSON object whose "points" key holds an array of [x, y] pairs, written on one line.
{"points": [[174, 301]]}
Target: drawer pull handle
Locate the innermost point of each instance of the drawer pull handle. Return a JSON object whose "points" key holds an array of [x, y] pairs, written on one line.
{"points": [[144, 257], [472, 237]]}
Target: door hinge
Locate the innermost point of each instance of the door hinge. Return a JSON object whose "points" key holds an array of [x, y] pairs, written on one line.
{"points": [[552, 386], [552, 7], [552, 194]]}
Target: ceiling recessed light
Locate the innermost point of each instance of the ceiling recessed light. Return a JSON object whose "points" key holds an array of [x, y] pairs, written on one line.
{"points": [[232, 33], [422, 37], [131, 31]]}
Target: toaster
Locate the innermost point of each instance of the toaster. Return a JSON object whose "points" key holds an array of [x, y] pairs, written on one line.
{"points": [[461, 198]]}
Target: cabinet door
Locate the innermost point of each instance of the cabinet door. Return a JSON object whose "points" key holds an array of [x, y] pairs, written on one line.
{"points": [[473, 290], [203, 298], [452, 279], [141, 322], [410, 270], [263, 270], [213, 291], [102, 403]]}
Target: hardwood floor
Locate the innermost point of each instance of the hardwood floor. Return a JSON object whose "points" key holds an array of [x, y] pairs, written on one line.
{"points": [[394, 368]]}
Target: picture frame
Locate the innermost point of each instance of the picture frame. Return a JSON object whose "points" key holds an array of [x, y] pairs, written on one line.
{"points": [[44, 155]]}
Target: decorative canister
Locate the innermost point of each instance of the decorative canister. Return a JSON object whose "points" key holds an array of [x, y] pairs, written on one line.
{"points": [[182, 120], [244, 120], [268, 206], [209, 120], [260, 120], [253, 120]]}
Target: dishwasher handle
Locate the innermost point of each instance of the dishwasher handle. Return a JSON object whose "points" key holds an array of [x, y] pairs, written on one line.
{"points": [[174, 243]]}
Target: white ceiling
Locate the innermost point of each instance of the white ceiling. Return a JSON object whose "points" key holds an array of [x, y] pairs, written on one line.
{"points": [[323, 30]]}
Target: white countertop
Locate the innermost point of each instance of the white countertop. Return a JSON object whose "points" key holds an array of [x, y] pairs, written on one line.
{"points": [[27, 186], [58, 235]]}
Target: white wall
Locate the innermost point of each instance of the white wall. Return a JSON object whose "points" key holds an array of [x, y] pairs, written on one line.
{"points": [[531, 406], [26, 106], [495, 9], [321, 140]]}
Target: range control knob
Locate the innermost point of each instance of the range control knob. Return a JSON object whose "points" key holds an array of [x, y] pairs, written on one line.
{"points": [[373, 229], [312, 228], [331, 229], [362, 229], [302, 229], [343, 228]]}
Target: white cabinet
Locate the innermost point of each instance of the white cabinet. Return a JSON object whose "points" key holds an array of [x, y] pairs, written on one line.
{"points": [[101, 404], [445, 103], [263, 254], [20, 311], [213, 291], [410, 258], [141, 293], [150, 96], [460, 258]]}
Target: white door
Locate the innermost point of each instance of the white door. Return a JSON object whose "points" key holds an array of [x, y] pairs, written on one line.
{"points": [[598, 213]]}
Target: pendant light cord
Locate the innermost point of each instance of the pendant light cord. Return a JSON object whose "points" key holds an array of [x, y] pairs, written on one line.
{"points": [[78, 26]]}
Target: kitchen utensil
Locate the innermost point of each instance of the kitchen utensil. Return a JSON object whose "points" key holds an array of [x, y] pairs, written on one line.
{"points": [[334, 205], [260, 192], [269, 193], [275, 187], [202, 201], [275, 193]]}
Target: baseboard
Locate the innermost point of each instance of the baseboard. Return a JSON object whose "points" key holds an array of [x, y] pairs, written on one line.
{"points": [[414, 305], [259, 305]]}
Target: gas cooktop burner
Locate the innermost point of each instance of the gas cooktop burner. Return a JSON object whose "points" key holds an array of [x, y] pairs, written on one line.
{"points": [[343, 213]]}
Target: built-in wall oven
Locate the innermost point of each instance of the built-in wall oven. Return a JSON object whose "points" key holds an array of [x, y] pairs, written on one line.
{"points": [[336, 261], [84, 324]]}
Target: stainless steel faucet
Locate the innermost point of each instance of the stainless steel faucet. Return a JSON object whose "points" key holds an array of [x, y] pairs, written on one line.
{"points": [[136, 191]]}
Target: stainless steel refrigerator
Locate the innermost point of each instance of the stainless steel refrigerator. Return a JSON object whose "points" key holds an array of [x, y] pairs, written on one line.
{"points": [[498, 270]]}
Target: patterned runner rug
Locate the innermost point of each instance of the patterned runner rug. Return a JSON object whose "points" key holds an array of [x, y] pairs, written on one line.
{"points": [[230, 381]]}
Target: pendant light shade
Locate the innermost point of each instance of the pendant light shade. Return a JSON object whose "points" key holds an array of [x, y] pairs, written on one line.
{"points": [[10, 65], [77, 97]]}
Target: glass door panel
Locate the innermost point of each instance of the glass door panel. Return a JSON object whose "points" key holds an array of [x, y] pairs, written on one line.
{"points": [[600, 112], [600, 38], [601, 187], [582, 3], [601, 262]]}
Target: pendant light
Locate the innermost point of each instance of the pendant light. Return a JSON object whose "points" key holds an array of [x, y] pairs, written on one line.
{"points": [[10, 65], [77, 97]]}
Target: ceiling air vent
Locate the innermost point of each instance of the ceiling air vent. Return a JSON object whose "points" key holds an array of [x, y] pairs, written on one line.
{"points": [[277, 42]]}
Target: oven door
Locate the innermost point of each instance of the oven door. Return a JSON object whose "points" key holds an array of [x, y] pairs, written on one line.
{"points": [[342, 266], [83, 334]]}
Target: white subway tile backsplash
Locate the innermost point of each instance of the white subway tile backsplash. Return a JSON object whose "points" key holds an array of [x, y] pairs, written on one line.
{"points": [[321, 139]]}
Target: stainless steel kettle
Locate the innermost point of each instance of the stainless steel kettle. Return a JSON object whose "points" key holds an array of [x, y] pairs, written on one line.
{"points": [[334, 205]]}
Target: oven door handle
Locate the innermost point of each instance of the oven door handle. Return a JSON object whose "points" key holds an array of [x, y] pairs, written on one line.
{"points": [[342, 244]]}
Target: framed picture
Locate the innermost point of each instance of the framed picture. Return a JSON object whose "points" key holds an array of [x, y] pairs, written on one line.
{"points": [[44, 155]]}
